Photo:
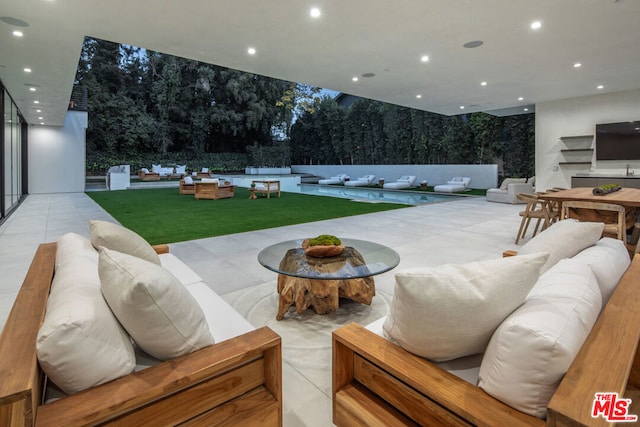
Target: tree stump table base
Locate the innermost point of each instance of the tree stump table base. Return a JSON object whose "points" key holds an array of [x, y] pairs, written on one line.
{"points": [[323, 295]]}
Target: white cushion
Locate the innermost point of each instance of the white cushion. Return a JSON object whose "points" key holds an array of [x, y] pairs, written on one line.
{"points": [[216, 180], [563, 239], [533, 348], [156, 168], [80, 343], [188, 180], [121, 239], [508, 181], [153, 306], [223, 320], [179, 269], [450, 311], [608, 259], [181, 169], [145, 170], [204, 170]]}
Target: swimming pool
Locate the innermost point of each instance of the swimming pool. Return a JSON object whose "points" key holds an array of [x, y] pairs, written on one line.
{"points": [[375, 195]]}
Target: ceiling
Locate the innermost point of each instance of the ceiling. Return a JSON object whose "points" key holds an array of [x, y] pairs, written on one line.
{"points": [[352, 38]]}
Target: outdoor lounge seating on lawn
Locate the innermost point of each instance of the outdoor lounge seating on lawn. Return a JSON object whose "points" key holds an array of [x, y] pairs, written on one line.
{"points": [[145, 175], [363, 181], [211, 189], [204, 173], [187, 185], [338, 179], [456, 185], [406, 181]]}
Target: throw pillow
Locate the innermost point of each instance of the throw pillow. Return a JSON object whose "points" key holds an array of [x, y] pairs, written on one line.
{"points": [[156, 168], [563, 239], [608, 260], [145, 170], [450, 311], [153, 306], [215, 180], [80, 343], [121, 239], [188, 180], [534, 347]]}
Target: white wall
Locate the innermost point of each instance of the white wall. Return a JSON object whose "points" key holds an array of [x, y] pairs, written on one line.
{"points": [[482, 176], [57, 156], [579, 116]]}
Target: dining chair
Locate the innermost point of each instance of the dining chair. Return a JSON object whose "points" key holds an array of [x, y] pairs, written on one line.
{"points": [[535, 209], [611, 214]]}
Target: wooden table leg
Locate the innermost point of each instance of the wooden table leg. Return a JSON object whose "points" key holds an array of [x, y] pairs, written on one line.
{"points": [[321, 295]]}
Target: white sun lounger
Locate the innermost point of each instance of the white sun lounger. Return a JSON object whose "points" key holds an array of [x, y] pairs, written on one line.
{"points": [[456, 185], [360, 182], [338, 179], [406, 181]]}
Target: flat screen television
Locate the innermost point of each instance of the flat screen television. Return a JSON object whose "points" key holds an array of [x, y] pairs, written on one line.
{"points": [[618, 141]]}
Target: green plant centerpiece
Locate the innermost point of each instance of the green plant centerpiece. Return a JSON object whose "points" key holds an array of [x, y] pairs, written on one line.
{"points": [[325, 245], [606, 189]]}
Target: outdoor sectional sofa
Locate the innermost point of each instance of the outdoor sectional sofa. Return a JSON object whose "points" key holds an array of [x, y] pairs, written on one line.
{"points": [[235, 381], [544, 364], [508, 191]]}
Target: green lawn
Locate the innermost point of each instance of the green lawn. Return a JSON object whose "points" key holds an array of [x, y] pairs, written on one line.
{"points": [[164, 216]]}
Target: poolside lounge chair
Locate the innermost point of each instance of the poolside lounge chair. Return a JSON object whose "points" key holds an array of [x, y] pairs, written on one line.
{"points": [[406, 181], [360, 182], [338, 179], [456, 185]]}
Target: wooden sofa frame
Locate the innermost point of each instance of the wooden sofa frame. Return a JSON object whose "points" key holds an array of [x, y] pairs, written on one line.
{"points": [[212, 190], [148, 176], [233, 382], [187, 188], [378, 383], [267, 187]]}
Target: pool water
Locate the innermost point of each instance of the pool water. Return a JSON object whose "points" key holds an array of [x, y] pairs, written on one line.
{"points": [[375, 195]]}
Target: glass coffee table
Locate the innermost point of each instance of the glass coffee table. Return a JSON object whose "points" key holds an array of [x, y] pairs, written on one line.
{"points": [[319, 283]]}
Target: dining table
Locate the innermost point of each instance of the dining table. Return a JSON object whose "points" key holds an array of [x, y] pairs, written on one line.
{"points": [[627, 197]]}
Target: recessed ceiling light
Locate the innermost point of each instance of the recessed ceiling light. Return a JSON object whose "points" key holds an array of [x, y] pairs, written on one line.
{"points": [[536, 25], [18, 33], [38, 111], [577, 65], [483, 83], [315, 12], [525, 109], [600, 87], [41, 123], [36, 102], [355, 79], [462, 107], [251, 51], [418, 96], [32, 89], [520, 98], [27, 70], [424, 58], [40, 118]]}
